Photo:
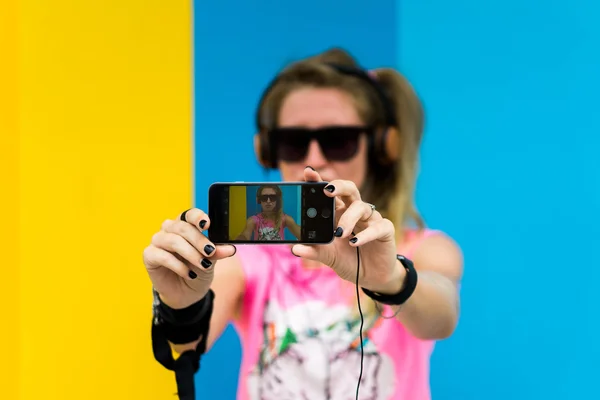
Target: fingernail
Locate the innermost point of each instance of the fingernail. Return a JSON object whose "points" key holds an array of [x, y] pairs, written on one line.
{"points": [[330, 188], [308, 166], [206, 263], [202, 223], [295, 254], [192, 274], [338, 232], [354, 240], [208, 249], [234, 251]]}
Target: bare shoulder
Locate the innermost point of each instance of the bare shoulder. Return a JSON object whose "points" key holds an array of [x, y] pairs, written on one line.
{"points": [[440, 253]]}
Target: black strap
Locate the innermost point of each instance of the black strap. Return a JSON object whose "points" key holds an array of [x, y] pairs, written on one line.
{"points": [[166, 329], [410, 284]]}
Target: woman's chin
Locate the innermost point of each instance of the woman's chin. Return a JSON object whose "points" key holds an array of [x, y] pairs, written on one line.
{"points": [[323, 178]]}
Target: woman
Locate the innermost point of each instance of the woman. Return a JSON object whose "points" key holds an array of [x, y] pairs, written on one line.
{"points": [[299, 323], [271, 222]]}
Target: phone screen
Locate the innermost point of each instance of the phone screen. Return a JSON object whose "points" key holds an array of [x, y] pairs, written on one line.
{"points": [[281, 212]]}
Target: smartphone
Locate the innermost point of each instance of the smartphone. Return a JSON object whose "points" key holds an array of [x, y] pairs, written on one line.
{"points": [[270, 213]]}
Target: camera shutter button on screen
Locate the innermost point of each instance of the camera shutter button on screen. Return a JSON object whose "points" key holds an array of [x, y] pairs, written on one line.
{"points": [[311, 212]]}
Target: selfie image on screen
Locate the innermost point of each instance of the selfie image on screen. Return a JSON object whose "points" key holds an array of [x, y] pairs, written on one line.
{"points": [[265, 213]]}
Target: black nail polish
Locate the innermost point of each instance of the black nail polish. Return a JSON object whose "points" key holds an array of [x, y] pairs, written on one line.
{"points": [[206, 263], [338, 232], [308, 166], [354, 240], [192, 274], [330, 188], [208, 249], [202, 224], [234, 250]]}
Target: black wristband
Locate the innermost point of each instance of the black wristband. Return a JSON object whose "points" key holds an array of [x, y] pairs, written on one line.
{"points": [[410, 284], [184, 325], [179, 327]]}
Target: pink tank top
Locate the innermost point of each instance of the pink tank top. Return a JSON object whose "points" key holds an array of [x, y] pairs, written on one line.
{"points": [[264, 229], [300, 336]]}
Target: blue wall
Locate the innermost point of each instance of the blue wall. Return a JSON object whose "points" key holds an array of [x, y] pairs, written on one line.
{"points": [[509, 165], [291, 204], [238, 47], [510, 169]]}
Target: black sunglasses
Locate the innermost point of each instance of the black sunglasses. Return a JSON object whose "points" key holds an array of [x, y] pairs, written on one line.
{"points": [[267, 197], [338, 143]]}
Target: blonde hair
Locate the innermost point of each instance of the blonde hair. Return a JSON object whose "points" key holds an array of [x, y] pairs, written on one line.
{"points": [[390, 188], [279, 206]]}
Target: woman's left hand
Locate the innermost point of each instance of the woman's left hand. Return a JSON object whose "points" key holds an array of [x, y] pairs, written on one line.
{"points": [[380, 271]]}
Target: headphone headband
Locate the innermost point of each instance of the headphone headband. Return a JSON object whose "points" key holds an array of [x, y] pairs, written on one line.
{"points": [[367, 76], [390, 115]]}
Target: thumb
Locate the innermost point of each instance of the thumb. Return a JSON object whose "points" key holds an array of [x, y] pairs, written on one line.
{"points": [[322, 254]]}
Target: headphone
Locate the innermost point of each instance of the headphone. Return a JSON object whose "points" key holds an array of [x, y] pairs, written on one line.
{"points": [[383, 143]]}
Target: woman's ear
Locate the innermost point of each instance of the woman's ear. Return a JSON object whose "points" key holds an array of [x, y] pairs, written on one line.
{"points": [[261, 150], [388, 142], [257, 149]]}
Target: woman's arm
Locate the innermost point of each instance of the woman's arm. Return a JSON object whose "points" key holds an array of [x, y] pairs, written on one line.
{"points": [[247, 232], [293, 227], [433, 309], [228, 286]]}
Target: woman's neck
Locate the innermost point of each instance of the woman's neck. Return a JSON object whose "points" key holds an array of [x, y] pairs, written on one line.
{"points": [[269, 214]]}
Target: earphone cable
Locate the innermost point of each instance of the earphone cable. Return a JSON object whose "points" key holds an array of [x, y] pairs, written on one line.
{"points": [[362, 321]]}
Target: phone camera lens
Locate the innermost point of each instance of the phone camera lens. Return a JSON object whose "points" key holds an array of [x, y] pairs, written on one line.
{"points": [[312, 190], [311, 212], [326, 213]]}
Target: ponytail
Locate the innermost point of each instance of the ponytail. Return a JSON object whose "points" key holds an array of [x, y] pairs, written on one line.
{"points": [[400, 207]]}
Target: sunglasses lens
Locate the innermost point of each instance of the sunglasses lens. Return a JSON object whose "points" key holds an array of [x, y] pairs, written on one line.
{"points": [[291, 144], [268, 197], [337, 143], [340, 144]]}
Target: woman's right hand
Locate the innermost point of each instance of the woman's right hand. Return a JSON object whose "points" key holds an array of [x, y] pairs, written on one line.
{"points": [[181, 260]]}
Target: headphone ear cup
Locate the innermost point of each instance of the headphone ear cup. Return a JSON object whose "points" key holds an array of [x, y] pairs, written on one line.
{"points": [[387, 145], [262, 150]]}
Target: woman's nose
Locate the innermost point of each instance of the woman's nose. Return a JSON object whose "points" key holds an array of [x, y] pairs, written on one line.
{"points": [[314, 156]]}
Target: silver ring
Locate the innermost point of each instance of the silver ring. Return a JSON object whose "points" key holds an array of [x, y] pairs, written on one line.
{"points": [[372, 210]]}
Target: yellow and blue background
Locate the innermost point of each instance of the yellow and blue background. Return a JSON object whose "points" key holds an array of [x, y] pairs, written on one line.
{"points": [[117, 115]]}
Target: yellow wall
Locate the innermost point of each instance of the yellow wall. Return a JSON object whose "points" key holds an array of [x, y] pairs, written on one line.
{"points": [[9, 202], [100, 116], [237, 210]]}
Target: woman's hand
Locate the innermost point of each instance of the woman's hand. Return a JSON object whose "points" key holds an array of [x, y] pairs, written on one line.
{"points": [[374, 235], [180, 260]]}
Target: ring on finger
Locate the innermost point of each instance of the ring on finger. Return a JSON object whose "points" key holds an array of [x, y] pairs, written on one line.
{"points": [[372, 206]]}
